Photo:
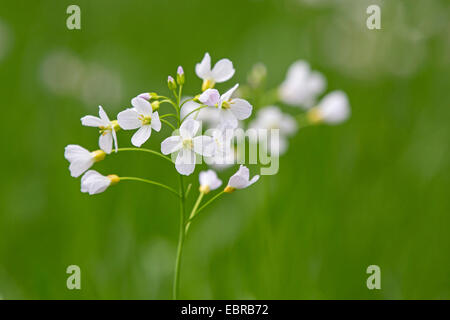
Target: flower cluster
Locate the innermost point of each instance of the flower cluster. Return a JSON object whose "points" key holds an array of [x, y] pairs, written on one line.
{"points": [[223, 113]]}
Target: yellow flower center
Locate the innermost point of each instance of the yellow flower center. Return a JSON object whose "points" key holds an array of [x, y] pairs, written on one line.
{"points": [[145, 119], [226, 105], [314, 115], [188, 144]]}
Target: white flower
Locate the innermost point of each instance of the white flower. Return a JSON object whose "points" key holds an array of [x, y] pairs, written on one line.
{"points": [[107, 129], [208, 116], [240, 180], [142, 117], [269, 118], [188, 145], [301, 86], [224, 154], [81, 159], [222, 71], [209, 181], [333, 109], [93, 182], [230, 110]]}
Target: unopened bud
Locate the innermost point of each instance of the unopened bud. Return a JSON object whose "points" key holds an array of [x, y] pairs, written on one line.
{"points": [[155, 105], [171, 83], [180, 76]]}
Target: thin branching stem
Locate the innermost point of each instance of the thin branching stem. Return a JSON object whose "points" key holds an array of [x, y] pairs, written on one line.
{"points": [[162, 185], [146, 150]]}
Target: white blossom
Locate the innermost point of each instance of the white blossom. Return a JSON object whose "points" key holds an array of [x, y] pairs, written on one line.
{"points": [[140, 117], [107, 129], [207, 116], [209, 181], [240, 180], [93, 182], [271, 118], [222, 71], [334, 108], [188, 145], [81, 159], [301, 86], [230, 109]]}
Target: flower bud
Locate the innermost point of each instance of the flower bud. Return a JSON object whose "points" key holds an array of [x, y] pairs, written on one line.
{"points": [[155, 105], [180, 76], [171, 83], [145, 96]]}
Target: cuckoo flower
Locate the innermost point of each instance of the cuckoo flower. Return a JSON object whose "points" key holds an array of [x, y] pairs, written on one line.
{"points": [[334, 108], [107, 129], [231, 109], [209, 181], [93, 182], [301, 86], [222, 71], [188, 145], [240, 180], [269, 118], [81, 159], [140, 117]]}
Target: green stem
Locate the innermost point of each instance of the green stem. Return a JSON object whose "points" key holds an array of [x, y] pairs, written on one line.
{"points": [[181, 236], [168, 123], [196, 109], [168, 115], [151, 182], [192, 99], [146, 150], [167, 100], [194, 210], [205, 205]]}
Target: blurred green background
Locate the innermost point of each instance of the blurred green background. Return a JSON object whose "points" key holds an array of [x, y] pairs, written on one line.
{"points": [[374, 190]]}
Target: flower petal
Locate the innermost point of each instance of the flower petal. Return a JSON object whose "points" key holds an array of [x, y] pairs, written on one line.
{"points": [[94, 183], [203, 69], [189, 128], [73, 152], [142, 106], [227, 95], [141, 135], [103, 115], [223, 70], [171, 144], [78, 167], [253, 180], [210, 97], [129, 119], [241, 108], [92, 121], [204, 145], [105, 142], [156, 123], [185, 162], [116, 146]]}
